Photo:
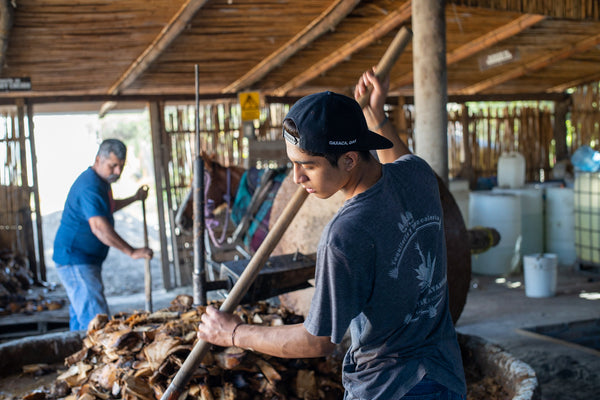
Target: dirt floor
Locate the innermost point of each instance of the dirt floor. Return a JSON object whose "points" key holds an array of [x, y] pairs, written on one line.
{"points": [[500, 312], [496, 310]]}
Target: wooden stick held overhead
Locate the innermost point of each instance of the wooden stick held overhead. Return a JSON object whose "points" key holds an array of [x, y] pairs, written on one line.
{"points": [[264, 251], [388, 60]]}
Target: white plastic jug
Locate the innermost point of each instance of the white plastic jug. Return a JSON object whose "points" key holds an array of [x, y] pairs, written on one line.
{"points": [[511, 170]]}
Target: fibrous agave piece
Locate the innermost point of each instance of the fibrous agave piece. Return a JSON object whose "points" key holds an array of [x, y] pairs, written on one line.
{"points": [[268, 371], [138, 387], [158, 351], [59, 389], [98, 322], [227, 392], [192, 314], [37, 395], [95, 392], [306, 385], [116, 389], [104, 376], [182, 303], [78, 356], [76, 374], [36, 369], [230, 358], [162, 316]]}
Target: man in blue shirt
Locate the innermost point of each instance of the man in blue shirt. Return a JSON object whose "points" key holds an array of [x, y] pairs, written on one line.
{"points": [[87, 231]]}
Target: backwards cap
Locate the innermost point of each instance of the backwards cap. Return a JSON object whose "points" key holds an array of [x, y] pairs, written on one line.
{"points": [[328, 123]]}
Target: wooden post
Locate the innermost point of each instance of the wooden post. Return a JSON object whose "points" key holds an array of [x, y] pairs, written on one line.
{"points": [[429, 66], [36, 195], [560, 128], [155, 127], [24, 208]]}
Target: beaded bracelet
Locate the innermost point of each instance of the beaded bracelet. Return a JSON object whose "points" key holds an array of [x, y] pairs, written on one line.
{"points": [[381, 124], [233, 333]]}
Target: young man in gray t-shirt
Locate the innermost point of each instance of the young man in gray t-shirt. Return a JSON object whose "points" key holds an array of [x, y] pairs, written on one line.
{"points": [[381, 260]]}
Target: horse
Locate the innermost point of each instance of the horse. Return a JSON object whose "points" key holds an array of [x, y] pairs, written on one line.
{"points": [[220, 187], [250, 211]]}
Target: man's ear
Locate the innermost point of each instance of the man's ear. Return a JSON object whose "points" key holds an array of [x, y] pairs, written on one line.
{"points": [[349, 160]]}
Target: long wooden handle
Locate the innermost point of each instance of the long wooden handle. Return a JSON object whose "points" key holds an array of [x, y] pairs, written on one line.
{"points": [[389, 58], [147, 270], [238, 291]]}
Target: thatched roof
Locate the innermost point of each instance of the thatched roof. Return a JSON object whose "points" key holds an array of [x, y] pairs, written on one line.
{"points": [[90, 49]]}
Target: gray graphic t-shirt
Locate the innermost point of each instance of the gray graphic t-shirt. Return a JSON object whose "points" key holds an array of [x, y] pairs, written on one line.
{"points": [[381, 271]]}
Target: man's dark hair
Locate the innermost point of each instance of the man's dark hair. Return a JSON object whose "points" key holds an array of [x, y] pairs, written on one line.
{"points": [[332, 157], [114, 146]]}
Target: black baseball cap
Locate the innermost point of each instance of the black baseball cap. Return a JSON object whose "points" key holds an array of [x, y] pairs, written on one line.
{"points": [[329, 122]]}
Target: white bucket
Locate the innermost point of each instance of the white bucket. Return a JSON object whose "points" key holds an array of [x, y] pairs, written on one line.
{"points": [[540, 272], [501, 211]]}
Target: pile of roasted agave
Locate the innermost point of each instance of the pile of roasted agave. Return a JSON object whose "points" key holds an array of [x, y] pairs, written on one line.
{"points": [[136, 356], [15, 281]]}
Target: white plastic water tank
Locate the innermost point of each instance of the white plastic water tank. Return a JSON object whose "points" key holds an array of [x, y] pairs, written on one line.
{"points": [[501, 211], [587, 217], [511, 170], [560, 224], [532, 217], [460, 191]]}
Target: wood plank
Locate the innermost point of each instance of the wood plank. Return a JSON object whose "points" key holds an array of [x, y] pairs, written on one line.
{"points": [[481, 43], [533, 66], [398, 16], [169, 33], [328, 20], [155, 110]]}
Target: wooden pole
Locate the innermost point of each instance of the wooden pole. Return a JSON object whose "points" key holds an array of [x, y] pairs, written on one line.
{"points": [[155, 126], [199, 275], [387, 61], [147, 269], [429, 66], [36, 196]]}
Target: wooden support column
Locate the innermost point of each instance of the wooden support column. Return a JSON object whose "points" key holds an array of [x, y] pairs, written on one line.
{"points": [[560, 129], [159, 173], [36, 196], [429, 66], [24, 210]]}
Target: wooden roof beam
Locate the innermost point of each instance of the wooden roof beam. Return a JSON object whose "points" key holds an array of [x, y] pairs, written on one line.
{"points": [[6, 24], [489, 39], [394, 18], [166, 36], [533, 66], [330, 18], [574, 83]]}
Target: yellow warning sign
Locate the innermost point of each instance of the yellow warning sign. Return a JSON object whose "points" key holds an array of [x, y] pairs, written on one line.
{"points": [[250, 103]]}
